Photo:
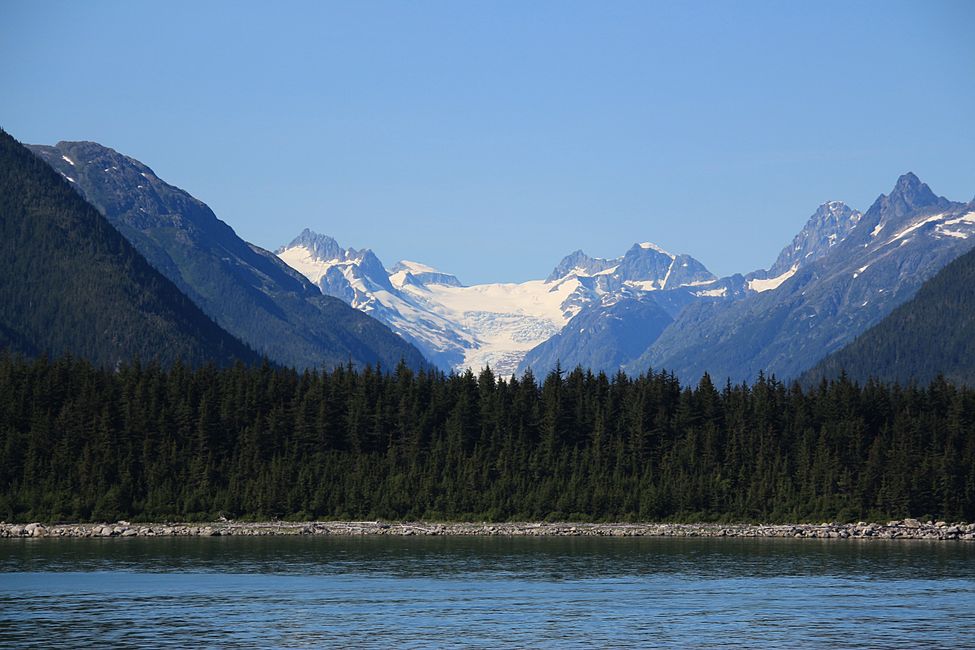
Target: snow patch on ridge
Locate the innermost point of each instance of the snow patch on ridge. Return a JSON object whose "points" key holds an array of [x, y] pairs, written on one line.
{"points": [[413, 267], [712, 293], [650, 246], [770, 284], [919, 224], [645, 285], [303, 260]]}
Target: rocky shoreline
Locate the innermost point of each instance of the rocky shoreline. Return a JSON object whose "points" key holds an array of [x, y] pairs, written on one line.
{"points": [[911, 529]]}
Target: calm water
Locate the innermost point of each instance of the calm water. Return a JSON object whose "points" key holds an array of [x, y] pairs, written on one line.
{"points": [[421, 592]]}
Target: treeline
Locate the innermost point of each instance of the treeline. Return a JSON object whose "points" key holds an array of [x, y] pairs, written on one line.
{"points": [[78, 442]]}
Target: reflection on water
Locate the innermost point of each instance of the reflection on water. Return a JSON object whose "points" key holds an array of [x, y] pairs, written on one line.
{"points": [[301, 592]]}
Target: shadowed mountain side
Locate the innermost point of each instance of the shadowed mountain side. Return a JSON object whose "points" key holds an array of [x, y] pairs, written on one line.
{"points": [[246, 289], [72, 284], [932, 334], [603, 339]]}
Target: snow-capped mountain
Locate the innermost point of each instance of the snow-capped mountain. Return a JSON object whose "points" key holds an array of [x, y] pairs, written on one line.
{"points": [[828, 226], [609, 334], [247, 290], [842, 273], [359, 278], [459, 326], [783, 319], [631, 300], [902, 240]]}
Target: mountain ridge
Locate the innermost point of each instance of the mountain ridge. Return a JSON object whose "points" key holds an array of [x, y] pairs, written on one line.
{"points": [[931, 335], [74, 285], [690, 320], [243, 287], [903, 239], [843, 272], [496, 324]]}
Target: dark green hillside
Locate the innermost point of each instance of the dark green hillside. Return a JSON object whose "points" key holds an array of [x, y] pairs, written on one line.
{"points": [[932, 334], [72, 284], [247, 290]]}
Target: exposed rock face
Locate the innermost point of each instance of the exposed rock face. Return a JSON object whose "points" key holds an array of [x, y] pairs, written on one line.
{"points": [[818, 307], [828, 226]]}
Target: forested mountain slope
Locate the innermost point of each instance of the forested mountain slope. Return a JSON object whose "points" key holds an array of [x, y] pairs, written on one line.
{"points": [[932, 334], [244, 288], [72, 284]]}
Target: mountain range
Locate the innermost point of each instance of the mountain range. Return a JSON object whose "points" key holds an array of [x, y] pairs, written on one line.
{"points": [[842, 273], [314, 302], [496, 325], [247, 290], [903, 239]]}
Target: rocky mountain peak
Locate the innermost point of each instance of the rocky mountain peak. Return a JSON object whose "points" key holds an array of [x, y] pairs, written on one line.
{"points": [[324, 249], [910, 195], [580, 262], [647, 262], [321, 246], [406, 271], [829, 224]]}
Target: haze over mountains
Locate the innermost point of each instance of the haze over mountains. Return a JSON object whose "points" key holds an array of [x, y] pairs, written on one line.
{"points": [[316, 303]]}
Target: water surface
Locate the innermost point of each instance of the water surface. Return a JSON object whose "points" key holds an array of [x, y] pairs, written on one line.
{"points": [[421, 592]]}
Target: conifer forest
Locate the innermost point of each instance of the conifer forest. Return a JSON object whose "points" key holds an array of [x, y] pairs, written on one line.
{"points": [[150, 443]]}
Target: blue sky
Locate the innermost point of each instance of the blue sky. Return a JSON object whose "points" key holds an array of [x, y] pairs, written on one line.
{"points": [[491, 138]]}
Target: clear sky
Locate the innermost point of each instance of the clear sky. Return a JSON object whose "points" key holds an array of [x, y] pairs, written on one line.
{"points": [[489, 139]]}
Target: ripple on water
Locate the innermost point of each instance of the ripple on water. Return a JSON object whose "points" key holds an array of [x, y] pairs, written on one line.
{"points": [[416, 592]]}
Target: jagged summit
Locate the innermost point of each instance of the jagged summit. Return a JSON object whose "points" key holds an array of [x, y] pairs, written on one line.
{"points": [[315, 255], [909, 195], [653, 247], [321, 246], [407, 271], [581, 264], [910, 188], [644, 263], [828, 225], [652, 267]]}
